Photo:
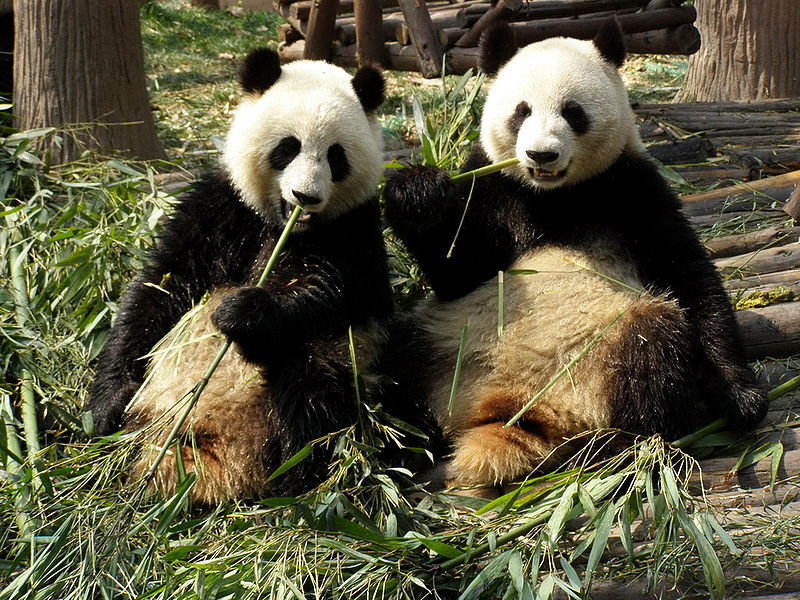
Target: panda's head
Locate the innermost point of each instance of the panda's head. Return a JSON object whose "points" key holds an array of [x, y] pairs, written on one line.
{"points": [[305, 134], [559, 106]]}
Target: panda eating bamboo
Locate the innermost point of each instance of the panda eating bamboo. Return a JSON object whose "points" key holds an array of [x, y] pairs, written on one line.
{"points": [[584, 296], [305, 134]]}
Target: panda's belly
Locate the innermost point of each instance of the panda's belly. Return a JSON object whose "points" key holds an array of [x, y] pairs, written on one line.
{"points": [[555, 302], [224, 440], [181, 360]]}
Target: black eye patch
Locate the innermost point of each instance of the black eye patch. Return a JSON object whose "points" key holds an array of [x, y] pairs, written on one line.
{"points": [[576, 116], [284, 153], [521, 112], [337, 159]]}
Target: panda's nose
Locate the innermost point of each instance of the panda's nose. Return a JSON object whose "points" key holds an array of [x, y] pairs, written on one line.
{"points": [[305, 200], [542, 158]]}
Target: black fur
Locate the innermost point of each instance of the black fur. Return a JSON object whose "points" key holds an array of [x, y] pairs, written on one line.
{"points": [[629, 206], [576, 116], [284, 153], [329, 276], [259, 71], [610, 42], [497, 45], [370, 87], [521, 112], [337, 159]]}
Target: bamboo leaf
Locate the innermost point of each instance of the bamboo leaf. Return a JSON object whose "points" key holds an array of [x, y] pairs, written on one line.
{"points": [[515, 571], [485, 578], [602, 532], [559, 517], [300, 456]]}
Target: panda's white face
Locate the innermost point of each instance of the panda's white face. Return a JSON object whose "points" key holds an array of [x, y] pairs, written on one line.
{"points": [[304, 141], [561, 110]]}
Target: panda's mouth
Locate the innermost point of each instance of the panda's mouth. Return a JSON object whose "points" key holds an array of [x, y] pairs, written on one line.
{"points": [[288, 208], [539, 174]]}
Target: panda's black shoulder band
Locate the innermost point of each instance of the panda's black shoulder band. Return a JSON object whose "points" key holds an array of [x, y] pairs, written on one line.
{"points": [[497, 46], [259, 71], [369, 85], [610, 42]]}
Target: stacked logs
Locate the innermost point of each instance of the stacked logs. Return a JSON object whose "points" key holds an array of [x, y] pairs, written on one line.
{"points": [[758, 262], [413, 35]]}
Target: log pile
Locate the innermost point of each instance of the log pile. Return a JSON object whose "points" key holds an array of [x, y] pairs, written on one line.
{"points": [[414, 35], [757, 137]]}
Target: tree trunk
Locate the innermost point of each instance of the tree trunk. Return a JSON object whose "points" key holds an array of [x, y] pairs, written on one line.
{"points": [[750, 50], [80, 62]]}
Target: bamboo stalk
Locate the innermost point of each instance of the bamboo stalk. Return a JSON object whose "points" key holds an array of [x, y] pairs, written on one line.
{"points": [[487, 170], [22, 314], [201, 385]]}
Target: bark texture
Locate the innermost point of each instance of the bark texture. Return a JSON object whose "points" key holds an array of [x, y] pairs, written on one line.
{"points": [[750, 50], [81, 62]]}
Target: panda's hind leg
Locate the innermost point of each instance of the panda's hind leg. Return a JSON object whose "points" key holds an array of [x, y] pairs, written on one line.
{"points": [[651, 371], [487, 453], [224, 445]]}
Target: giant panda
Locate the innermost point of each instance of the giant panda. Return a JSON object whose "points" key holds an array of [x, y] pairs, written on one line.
{"points": [[304, 134], [612, 314]]}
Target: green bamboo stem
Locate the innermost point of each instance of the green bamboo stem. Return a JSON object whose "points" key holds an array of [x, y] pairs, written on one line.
{"points": [[201, 385], [22, 313], [691, 438], [25, 524], [784, 388], [511, 535], [487, 170]]}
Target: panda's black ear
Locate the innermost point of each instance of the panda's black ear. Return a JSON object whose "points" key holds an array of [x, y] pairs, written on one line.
{"points": [[496, 47], [610, 42], [259, 71], [369, 86]]}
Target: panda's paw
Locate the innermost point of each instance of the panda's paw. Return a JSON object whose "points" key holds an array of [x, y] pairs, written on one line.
{"points": [[107, 404], [750, 405], [244, 316], [416, 194]]}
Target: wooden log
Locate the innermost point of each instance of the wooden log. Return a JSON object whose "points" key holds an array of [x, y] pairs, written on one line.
{"points": [[504, 10], [303, 9], [534, 31], [776, 188], [556, 10], [772, 331], [398, 58], [718, 474], [706, 175], [768, 260], [443, 19], [755, 106], [751, 217], [321, 25], [755, 140], [450, 35], [423, 37], [784, 105], [751, 157], [689, 150], [682, 40], [733, 245], [346, 32], [369, 33]]}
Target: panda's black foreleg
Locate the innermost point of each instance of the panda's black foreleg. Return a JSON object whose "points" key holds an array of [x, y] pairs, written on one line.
{"points": [[452, 231], [680, 266], [146, 314], [312, 394]]}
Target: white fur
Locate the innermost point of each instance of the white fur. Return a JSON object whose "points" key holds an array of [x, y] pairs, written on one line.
{"points": [[316, 103], [546, 75]]}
